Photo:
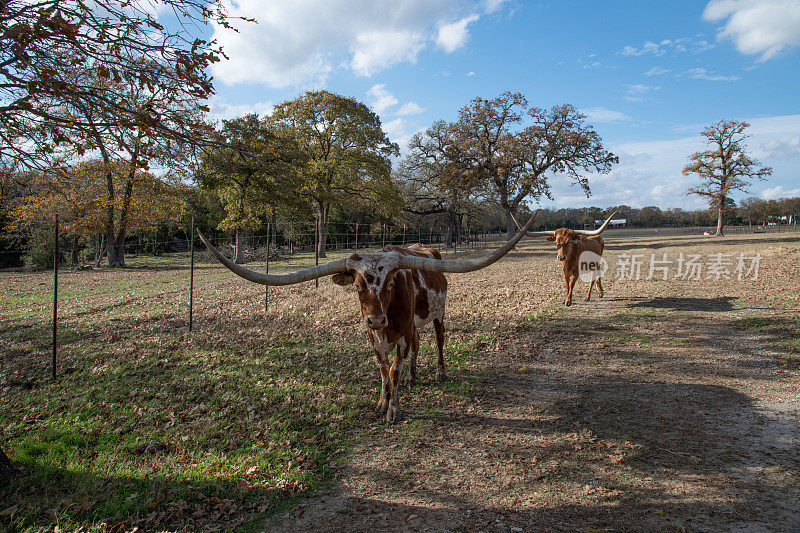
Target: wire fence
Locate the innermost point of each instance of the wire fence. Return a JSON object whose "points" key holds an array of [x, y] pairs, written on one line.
{"points": [[275, 246]]}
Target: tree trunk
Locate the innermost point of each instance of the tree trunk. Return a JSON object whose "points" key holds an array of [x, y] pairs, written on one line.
{"points": [[7, 470], [239, 259], [322, 219], [75, 250], [116, 254], [450, 229], [719, 224], [100, 250]]}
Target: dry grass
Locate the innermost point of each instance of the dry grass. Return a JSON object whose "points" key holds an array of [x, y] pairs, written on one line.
{"points": [[666, 405]]}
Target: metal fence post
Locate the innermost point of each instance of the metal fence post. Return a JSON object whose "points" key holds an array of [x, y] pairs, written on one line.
{"points": [[266, 287], [55, 297], [191, 273]]}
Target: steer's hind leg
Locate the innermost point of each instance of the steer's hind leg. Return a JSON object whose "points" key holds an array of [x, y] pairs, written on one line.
{"points": [[438, 326], [599, 288], [414, 352]]}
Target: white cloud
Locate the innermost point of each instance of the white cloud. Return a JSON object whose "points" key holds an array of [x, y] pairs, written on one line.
{"points": [[490, 6], [377, 50], [470, 73], [778, 149], [774, 193], [450, 37], [649, 172], [602, 114], [410, 108], [704, 74], [301, 42], [657, 71], [637, 92], [380, 98], [683, 44], [764, 27], [224, 111]]}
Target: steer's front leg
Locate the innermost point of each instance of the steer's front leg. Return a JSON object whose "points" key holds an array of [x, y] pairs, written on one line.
{"points": [[383, 398], [382, 359], [395, 373]]}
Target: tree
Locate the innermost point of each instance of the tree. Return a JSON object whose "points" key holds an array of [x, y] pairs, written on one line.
{"points": [[80, 197], [513, 165], [651, 217], [345, 149], [433, 180], [724, 168], [43, 43], [119, 145], [253, 170]]}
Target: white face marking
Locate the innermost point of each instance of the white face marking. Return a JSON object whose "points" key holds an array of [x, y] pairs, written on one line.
{"points": [[374, 268]]}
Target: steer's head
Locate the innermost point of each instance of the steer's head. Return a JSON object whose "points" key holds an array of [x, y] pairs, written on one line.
{"points": [[565, 239], [373, 276]]}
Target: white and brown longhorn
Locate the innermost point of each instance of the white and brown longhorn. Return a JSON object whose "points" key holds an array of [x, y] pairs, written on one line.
{"points": [[570, 244], [400, 291]]}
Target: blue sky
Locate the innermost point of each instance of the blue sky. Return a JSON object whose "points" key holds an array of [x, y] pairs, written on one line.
{"points": [[649, 75]]}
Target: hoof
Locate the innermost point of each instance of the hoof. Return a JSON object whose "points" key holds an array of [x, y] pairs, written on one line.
{"points": [[568, 303], [381, 408], [587, 299], [600, 295], [393, 414]]}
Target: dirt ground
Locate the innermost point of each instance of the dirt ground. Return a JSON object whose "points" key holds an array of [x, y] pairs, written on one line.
{"points": [[667, 405]]}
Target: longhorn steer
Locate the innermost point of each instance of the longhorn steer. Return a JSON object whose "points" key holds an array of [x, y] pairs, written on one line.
{"points": [[570, 244], [400, 291]]}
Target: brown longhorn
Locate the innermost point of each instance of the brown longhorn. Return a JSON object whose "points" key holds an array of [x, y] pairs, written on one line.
{"points": [[400, 291], [570, 244]]}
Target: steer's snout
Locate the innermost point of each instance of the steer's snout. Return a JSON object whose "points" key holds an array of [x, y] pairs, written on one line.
{"points": [[376, 322]]}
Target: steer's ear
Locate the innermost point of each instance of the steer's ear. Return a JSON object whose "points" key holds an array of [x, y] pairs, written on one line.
{"points": [[576, 237], [344, 279], [551, 238]]}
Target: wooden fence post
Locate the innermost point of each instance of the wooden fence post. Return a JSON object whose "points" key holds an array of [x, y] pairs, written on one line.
{"points": [[316, 249]]}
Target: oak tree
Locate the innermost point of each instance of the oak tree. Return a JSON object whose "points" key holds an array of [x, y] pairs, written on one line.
{"points": [[725, 167], [43, 43], [253, 168], [345, 151], [512, 162]]}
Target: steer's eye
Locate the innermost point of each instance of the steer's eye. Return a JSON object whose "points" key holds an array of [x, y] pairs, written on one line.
{"points": [[359, 287]]}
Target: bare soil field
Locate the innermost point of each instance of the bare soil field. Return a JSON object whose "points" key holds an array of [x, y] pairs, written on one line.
{"points": [[667, 405]]}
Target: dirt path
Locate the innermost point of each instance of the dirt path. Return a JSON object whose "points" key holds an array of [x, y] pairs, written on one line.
{"points": [[622, 414]]}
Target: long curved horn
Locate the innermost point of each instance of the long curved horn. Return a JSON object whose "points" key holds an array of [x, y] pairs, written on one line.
{"points": [[440, 265], [598, 231], [289, 278], [533, 233]]}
